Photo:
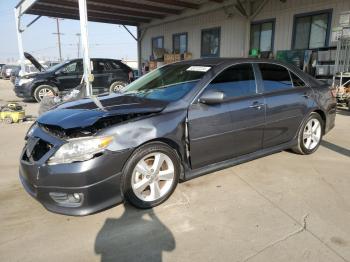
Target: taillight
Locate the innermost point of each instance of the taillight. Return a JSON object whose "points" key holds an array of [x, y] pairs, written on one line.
{"points": [[333, 92]]}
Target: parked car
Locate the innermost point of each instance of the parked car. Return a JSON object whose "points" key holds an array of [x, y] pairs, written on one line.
{"points": [[6, 71], [109, 75], [14, 74], [176, 123], [1, 65]]}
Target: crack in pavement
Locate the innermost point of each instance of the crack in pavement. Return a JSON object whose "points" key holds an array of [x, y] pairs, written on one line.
{"points": [[291, 217], [301, 229]]}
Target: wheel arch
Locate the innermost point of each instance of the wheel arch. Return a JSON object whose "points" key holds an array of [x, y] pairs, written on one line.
{"points": [[43, 83], [173, 145], [324, 118]]}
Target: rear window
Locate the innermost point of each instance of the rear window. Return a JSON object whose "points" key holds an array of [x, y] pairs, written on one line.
{"points": [[275, 77], [297, 82]]}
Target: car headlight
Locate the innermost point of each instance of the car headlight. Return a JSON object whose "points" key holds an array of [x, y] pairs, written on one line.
{"points": [[80, 149], [31, 129], [23, 81]]}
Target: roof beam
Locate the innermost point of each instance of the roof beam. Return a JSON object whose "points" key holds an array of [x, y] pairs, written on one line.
{"points": [[92, 16], [99, 8], [177, 3], [92, 19], [24, 5], [136, 6]]}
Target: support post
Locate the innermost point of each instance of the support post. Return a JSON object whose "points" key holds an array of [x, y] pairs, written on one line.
{"points": [[85, 46], [19, 39], [139, 55]]}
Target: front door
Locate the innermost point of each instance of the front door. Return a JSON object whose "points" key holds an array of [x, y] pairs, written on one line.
{"points": [[68, 77], [231, 128]]}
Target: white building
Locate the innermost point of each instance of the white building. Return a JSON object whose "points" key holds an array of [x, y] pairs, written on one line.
{"points": [[221, 28]]}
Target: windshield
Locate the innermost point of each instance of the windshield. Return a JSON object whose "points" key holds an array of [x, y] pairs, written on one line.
{"points": [[169, 83]]}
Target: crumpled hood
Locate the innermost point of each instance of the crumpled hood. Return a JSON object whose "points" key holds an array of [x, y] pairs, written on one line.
{"points": [[84, 113]]}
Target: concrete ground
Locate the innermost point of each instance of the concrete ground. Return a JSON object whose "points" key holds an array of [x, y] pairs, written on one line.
{"points": [[284, 207]]}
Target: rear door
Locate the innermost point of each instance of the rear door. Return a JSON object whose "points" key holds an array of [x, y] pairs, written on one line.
{"points": [[232, 128], [286, 100], [102, 72]]}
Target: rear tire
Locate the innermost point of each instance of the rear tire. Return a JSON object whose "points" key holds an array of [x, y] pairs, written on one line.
{"points": [[42, 91], [310, 135], [151, 175]]}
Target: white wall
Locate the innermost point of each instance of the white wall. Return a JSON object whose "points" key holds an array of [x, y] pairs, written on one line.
{"points": [[284, 14], [233, 28]]}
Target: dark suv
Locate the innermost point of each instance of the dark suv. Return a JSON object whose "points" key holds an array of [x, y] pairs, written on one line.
{"points": [[109, 75]]}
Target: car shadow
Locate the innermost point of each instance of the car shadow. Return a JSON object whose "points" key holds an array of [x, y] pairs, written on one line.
{"points": [[341, 150], [137, 235]]}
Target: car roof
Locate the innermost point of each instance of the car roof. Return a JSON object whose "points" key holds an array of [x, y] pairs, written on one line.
{"points": [[219, 61]]}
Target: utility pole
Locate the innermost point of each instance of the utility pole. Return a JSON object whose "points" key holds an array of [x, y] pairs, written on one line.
{"points": [[58, 33]]}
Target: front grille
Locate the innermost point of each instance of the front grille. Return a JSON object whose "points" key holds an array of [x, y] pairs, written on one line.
{"points": [[40, 148]]}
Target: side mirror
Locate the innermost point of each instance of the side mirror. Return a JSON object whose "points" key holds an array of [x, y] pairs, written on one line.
{"points": [[212, 97]]}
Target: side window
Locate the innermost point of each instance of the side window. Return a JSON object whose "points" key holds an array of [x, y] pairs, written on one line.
{"points": [[275, 77], [101, 66], [115, 65], [236, 81], [71, 68], [297, 82]]}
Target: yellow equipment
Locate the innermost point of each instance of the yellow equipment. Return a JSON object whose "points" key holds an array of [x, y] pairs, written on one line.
{"points": [[12, 113]]}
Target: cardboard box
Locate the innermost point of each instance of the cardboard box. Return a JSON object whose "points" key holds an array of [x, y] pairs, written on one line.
{"points": [[168, 58], [152, 65], [177, 57], [187, 56]]}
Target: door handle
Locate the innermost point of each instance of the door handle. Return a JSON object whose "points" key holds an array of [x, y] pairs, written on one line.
{"points": [[257, 106]]}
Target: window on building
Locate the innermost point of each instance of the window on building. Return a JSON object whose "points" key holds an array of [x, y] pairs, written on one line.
{"points": [[275, 77], [210, 46], [261, 35], [180, 43], [236, 81], [157, 42], [311, 31]]}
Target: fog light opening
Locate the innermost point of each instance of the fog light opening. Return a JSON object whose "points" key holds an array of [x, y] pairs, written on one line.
{"points": [[67, 200]]}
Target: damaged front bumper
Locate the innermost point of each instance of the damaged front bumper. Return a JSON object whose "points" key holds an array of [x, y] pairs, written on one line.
{"points": [[77, 189]]}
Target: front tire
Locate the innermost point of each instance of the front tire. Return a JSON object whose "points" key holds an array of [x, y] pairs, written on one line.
{"points": [[117, 87], [310, 135], [151, 175], [43, 90]]}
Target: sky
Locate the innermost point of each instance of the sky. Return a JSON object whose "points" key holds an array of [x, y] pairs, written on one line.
{"points": [[106, 41]]}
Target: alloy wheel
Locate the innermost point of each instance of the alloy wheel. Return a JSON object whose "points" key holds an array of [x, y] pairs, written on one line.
{"points": [[153, 176], [45, 92], [312, 134]]}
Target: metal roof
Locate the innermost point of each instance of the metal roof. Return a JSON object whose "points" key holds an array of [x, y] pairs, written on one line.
{"points": [[126, 12]]}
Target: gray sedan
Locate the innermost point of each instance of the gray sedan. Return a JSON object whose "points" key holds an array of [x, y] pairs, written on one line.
{"points": [[178, 122]]}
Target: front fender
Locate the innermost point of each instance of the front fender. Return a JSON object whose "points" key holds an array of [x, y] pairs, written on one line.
{"points": [[163, 126]]}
